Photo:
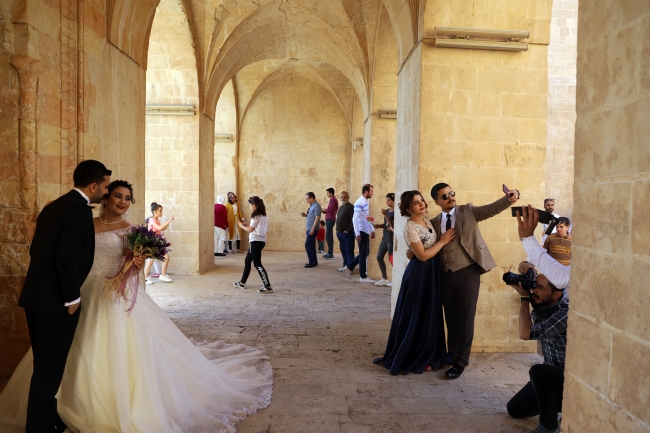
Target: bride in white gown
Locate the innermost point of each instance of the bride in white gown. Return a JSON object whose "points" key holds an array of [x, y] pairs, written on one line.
{"points": [[138, 373]]}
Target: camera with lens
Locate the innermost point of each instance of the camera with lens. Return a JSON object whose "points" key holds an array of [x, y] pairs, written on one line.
{"points": [[527, 280]]}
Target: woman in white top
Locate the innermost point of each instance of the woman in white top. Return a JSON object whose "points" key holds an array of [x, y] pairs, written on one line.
{"points": [[257, 239]]}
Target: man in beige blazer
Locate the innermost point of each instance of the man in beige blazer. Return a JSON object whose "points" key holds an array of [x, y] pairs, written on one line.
{"points": [[463, 261]]}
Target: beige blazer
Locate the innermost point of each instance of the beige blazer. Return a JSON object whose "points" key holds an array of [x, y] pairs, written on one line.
{"points": [[467, 219], [233, 219]]}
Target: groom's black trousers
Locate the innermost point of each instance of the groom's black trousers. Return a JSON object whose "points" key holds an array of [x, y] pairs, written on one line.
{"points": [[51, 337]]}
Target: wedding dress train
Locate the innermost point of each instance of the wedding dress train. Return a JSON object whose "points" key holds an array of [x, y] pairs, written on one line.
{"points": [[139, 373]]}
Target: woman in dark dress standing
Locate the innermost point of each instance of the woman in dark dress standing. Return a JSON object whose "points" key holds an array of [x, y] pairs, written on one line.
{"points": [[416, 342]]}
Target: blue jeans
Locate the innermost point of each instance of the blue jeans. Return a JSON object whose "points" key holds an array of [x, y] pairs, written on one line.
{"points": [[329, 235], [362, 258], [320, 246], [310, 246], [346, 242]]}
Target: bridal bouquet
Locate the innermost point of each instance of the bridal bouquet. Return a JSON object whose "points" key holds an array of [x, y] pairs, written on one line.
{"points": [[126, 279]]}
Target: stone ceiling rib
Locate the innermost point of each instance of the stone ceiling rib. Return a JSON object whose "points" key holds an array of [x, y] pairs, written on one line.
{"points": [[281, 39]]}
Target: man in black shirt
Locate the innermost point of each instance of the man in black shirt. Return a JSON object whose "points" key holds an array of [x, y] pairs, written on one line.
{"points": [[345, 230], [547, 323]]}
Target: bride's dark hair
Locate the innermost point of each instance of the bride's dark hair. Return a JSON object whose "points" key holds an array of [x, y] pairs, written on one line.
{"points": [[118, 184]]}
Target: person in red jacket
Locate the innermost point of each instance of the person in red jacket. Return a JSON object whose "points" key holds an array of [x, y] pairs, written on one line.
{"points": [[320, 237], [220, 226]]}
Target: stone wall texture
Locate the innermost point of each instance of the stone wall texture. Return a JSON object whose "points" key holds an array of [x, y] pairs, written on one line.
{"points": [[562, 53], [294, 139], [608, 355], [67, 95]]}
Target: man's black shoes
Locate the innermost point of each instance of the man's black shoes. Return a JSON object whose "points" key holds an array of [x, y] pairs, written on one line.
{"points": [[309, 266], [454, 372]]}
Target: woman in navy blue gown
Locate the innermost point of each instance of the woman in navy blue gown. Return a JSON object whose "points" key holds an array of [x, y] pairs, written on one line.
{"points": [[416, 342]]}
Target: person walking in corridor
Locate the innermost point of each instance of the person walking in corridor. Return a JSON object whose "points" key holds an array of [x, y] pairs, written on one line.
{"points": [[312, 225], [363, 232], [256, 229], [330, 220], [345, 230], [386, 245]]}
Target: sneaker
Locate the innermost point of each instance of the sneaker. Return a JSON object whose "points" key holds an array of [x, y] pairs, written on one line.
{"points": [[240, 285], [265, 290], [389, 284], [156, 275], [219, 254], [148, 282], [165, 278], [328, 256], [366, 280], [348, 273], [381, 282], [341, 268]]}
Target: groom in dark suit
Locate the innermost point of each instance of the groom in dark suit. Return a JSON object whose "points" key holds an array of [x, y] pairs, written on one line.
{"points": [[62, 253], [463, 261]]}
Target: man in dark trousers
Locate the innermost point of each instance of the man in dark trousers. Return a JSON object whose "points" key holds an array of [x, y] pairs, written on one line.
{"points": [[62, 253], [463, 261]]}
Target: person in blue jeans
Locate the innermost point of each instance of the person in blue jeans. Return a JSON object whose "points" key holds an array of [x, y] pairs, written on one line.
{"points": [[312, 225], [364, 230], [345, 230]]}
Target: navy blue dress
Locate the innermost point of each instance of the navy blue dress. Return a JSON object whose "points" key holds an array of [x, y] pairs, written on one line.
{"points": [[417, 335]]}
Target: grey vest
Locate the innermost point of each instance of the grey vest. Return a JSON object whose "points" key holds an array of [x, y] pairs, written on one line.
{"points": [[454, 257]]}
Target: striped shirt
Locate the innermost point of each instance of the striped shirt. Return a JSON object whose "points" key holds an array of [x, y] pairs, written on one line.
{"points": [[360, 217], [559, 247]]}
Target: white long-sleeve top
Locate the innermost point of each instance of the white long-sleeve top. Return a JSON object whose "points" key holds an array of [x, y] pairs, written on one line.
{"points": [[557, 273], [360, 217]]}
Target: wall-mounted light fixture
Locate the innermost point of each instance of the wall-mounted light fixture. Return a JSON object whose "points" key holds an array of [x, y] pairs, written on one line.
{"points": [[496, 40], [358, 142], [170, 110], [224, 137], [388, 113]]}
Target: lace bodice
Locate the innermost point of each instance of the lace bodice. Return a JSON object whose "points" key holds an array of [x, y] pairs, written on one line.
{"points": [[414, 232], [109, 248]]}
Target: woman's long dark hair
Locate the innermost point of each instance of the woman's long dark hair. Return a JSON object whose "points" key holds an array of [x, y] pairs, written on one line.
{"points": [[118, 184], [405, 202], [154, 207], [260, 209]]}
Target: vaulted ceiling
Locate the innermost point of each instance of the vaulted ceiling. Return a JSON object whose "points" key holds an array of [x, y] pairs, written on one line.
{"points": [[330, 42]]}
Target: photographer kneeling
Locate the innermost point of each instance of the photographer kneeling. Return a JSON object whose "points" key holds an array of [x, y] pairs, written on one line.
{"points": [[548, 323]]}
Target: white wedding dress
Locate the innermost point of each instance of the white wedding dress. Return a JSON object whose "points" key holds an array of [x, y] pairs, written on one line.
{"points": [[139, 373]]}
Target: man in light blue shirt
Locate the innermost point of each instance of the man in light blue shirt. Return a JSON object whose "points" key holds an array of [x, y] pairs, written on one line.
{"points": [[312, 224]]}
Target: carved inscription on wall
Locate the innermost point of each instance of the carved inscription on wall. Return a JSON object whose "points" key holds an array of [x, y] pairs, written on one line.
{"points": [[524, 156]]}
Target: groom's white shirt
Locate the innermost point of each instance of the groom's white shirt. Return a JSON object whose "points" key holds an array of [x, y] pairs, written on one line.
{"points": [[76, 301]]}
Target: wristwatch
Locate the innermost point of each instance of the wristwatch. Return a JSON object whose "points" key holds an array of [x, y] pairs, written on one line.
{"points": [[524, 298], [522, 239]]}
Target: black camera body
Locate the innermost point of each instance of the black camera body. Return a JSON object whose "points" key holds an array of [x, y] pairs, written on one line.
{"points": [[527, 280]]}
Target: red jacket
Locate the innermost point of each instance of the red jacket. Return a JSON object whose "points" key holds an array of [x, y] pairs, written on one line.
{"points": [[220, 216], [320, 236]]}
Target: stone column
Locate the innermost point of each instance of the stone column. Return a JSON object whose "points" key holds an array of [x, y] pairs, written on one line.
{"points": [[608, 355], [28, 69]]}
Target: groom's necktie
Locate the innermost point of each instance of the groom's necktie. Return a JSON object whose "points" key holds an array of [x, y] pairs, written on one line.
{"points": [[448, 226]]}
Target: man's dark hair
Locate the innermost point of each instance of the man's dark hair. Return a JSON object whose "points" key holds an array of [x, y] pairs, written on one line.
{"points": [[437, 187], [330, 190], [88, 172], [311, 195], [564, 220], [546, 200], [260, 209], [366, 188]]}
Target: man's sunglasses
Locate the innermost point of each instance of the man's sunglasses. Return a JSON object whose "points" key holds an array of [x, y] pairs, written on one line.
{"points": [[449, 194]]}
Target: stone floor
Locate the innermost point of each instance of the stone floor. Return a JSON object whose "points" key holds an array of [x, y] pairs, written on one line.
{"points": [[321, 332]]}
